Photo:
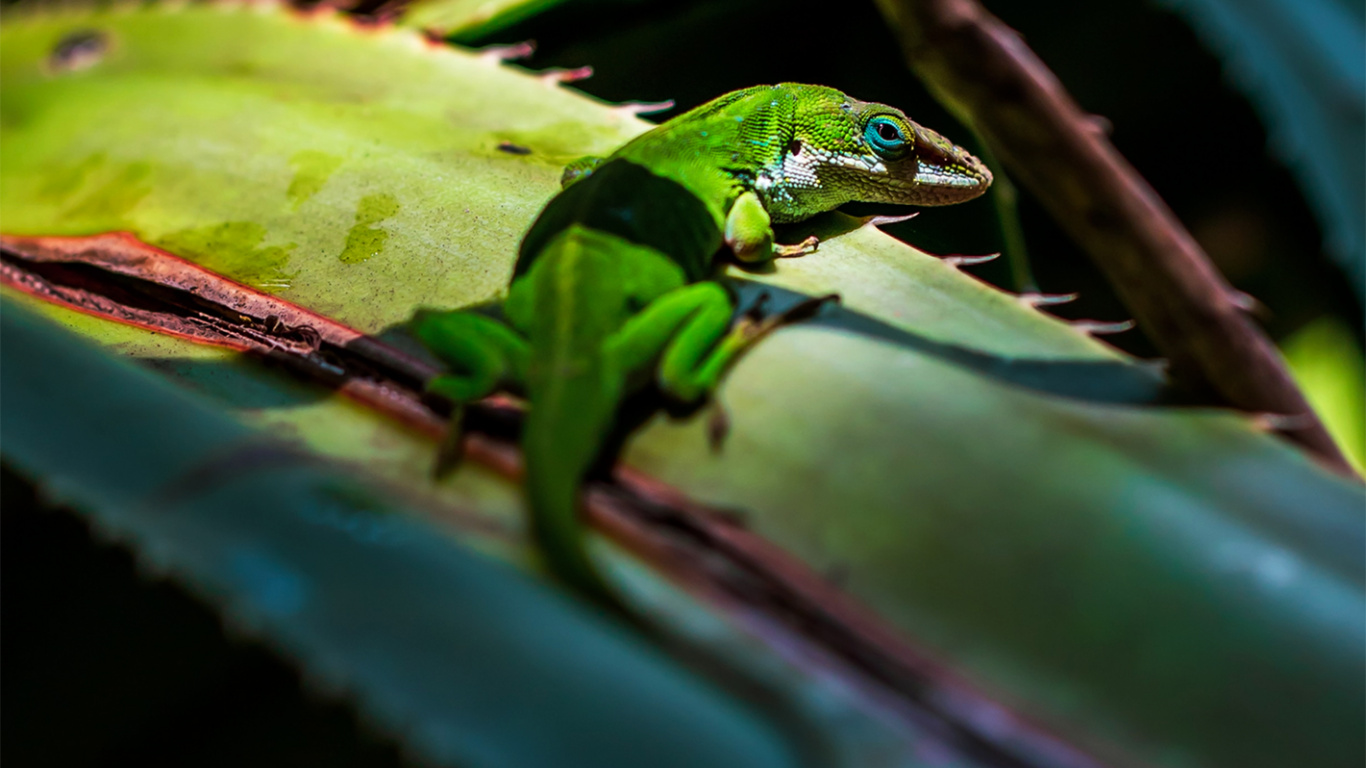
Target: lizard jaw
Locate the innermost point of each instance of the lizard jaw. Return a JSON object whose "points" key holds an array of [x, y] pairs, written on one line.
{"points": [[945, 172]]}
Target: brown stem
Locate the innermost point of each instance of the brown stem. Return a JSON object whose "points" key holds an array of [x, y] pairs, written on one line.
{"points": [[982, 70]]}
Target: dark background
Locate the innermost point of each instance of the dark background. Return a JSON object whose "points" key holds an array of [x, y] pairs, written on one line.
{"points": [[104, 666]]}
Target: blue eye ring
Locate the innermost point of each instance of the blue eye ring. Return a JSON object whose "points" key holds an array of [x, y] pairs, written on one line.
{"points": [[886, 137]]}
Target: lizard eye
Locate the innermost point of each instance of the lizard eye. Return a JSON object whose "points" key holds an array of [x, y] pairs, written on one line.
{"points": [[885, 137]]}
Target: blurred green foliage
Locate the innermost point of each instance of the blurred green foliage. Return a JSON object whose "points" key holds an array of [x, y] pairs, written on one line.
{"points": [[1328, 366]]}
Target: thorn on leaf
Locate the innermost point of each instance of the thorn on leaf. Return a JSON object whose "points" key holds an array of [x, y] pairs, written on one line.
{"points": [[644, 107], [968, 261], [882, 221], [1046, 299], [1282, 422], [566, 75], [1249, 304], [1100, 328], [1100, 124], [508, 52]]}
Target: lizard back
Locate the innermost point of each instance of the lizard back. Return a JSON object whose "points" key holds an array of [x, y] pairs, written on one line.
{"points": [[626, 199]]}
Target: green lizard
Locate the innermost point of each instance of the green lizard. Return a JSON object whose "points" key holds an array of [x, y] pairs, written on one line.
{"points": [[616, 281]]}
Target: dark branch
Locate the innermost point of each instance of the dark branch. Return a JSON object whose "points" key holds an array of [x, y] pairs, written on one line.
{"points": [[982, 70]]}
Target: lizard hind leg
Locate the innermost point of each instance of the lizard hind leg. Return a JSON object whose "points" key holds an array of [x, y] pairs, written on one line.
{"points": [[688, 332], [676, 334], [484, 355], [687, 335], [698, 356]]}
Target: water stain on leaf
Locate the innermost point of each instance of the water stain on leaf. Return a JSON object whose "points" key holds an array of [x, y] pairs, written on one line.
{"points": [[234, 249], [311, 171], [116, 197], [365, 240]]}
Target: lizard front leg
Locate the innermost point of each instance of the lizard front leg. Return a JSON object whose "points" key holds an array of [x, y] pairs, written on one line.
{"points": [[749, 233], [485, 356]]}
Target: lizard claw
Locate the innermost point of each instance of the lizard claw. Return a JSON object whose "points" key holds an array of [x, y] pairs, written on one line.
{"points": [[451, 452], [718, 426], [800, 249], [757, 310]]}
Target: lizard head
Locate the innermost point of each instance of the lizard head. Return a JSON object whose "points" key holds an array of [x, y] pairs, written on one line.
{"points": [[868, 152]]}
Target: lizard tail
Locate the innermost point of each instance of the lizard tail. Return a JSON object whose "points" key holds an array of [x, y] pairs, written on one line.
{"points": [[564, 433]]}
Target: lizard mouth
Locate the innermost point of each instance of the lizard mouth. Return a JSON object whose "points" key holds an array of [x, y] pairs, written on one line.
{"points": [[945, 166], [940, 176], [941, 185]]}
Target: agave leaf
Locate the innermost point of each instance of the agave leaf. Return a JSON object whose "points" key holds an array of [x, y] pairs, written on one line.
{"points": [[452, 651], [986, 476], [1328, 366]]}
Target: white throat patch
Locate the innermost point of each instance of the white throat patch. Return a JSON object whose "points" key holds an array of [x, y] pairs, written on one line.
{"points": [[797, 172], [791, 187]]}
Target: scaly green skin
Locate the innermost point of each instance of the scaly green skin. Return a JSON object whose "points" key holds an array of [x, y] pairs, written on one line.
{"points": [[615, 283]]}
